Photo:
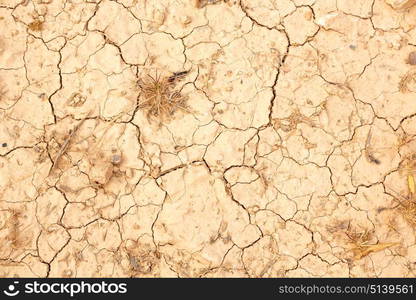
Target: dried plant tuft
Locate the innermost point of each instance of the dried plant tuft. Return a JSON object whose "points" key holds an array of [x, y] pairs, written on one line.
{"points": [[160, 97], [362, 246]]}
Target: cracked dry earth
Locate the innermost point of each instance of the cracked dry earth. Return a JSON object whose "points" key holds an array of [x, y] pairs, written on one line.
{"points": [[292, 153]]}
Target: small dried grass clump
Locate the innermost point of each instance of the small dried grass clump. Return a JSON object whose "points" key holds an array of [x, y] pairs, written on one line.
{"points": [[362, 246], [203, 3], [407, 202], [159, 96], [408, 82], [408, 164], [408, 210], [407, 205]]}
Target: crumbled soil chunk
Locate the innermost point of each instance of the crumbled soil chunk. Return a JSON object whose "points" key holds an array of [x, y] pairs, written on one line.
{"points": [[412, 58]]}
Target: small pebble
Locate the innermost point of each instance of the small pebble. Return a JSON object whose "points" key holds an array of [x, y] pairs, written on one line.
{"points": [[412, 58], [116, 159]]}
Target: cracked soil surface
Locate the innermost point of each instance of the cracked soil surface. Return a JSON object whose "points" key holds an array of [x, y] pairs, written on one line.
{"points": [[288, 147]]}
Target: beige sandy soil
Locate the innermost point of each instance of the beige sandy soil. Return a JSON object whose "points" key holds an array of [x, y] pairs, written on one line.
{"points": [[285, 149]]}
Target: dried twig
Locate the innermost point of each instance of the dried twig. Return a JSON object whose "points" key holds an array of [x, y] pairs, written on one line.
{"points": [[65, 145], [369, 150]]}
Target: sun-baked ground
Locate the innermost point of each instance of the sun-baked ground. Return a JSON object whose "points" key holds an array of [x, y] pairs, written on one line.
{"points": [[250, 138]]}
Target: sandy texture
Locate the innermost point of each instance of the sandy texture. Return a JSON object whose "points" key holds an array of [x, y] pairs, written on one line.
{"points": [[252, 138]]}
